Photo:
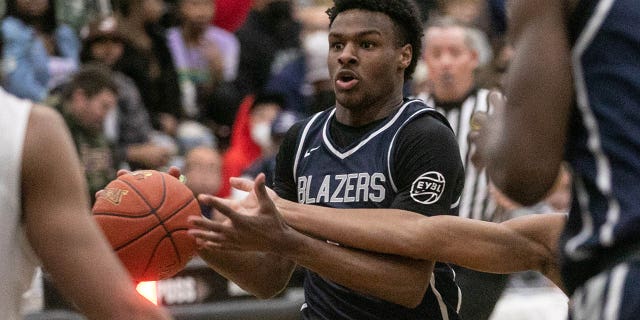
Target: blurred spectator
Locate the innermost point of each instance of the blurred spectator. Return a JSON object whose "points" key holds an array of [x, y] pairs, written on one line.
{"points": [[147, 60], [129, 125], [38, 52], [469, 12], [85, 103], [305, 76], [317, 78], [202, 169], [193, 134], [428, 8], [267, 163], [269, 39], [78, 13], [231, 14], [250, 138], [206, 58], [497, 16], [313, 17]]}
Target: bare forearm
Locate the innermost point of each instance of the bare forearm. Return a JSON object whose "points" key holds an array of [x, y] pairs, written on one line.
{"points": [[396, 279], [380, 230], [474, 244], [83, 280], [261, 274]]}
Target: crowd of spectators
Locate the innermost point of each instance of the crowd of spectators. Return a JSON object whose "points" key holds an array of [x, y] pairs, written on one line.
{"points": [[189, 73]]}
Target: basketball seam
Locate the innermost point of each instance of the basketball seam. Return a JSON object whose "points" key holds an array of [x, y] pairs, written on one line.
{"points": [[166, 230], [155, 248], [160, 221]]}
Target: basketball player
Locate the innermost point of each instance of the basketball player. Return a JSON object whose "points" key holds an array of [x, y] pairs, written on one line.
{"points": [[589, 116], [373, 150], [45, 210], [574, 94]]}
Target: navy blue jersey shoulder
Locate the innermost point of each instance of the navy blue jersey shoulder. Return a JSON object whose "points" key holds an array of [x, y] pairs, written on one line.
{"points": [[359, 175], [603, 144]]}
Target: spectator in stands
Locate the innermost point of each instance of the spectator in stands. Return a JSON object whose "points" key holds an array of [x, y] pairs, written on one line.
{"points": [[85, 102], [128, 126], [38, 52], [469, 12], [269, 39], [79, 13], [250, 138], [206, 59], [202, 169], [148, 62], [267, 163]]}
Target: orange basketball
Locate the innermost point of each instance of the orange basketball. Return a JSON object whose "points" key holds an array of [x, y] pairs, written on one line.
{"points": [[144, 216]]}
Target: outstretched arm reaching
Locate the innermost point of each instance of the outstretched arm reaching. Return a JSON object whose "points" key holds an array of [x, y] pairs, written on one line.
{"points": [[526, 243]]}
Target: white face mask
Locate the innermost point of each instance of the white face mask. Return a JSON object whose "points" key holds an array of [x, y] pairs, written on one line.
{"points": [[261, 134]]}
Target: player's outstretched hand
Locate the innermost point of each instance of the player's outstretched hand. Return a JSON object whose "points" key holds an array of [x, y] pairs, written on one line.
{"points": [[253, 228], [250, 201]]}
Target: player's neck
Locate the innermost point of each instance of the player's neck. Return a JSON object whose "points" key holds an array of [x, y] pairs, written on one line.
{"points": [[361, 116]]}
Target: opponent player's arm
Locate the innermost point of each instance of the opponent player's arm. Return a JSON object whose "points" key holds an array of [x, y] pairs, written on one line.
{"points": [[526, 243], [62, 232], [527, 146]]}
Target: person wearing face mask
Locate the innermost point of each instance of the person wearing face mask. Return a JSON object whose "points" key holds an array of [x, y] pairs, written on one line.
{"points": [[276, 133], [269, 39], [251, 136]]}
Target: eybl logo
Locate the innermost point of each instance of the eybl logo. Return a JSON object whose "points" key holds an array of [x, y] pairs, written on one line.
{"points": [[428, 187]]}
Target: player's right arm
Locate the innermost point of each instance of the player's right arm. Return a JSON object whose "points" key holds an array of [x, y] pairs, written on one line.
{"points": [[262, 274], [62, 232]]}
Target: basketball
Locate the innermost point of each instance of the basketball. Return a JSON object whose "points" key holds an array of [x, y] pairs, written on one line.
{"points": [[144, 216]]}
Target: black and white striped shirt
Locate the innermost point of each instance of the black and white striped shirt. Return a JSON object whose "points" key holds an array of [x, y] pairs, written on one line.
{"points": [[476, 201]]}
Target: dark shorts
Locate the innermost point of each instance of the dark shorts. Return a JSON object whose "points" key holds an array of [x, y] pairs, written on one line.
{"points": [[613, 294]]}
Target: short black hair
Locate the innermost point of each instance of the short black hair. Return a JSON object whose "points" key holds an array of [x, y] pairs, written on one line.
{"points": [[404, 14]]}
